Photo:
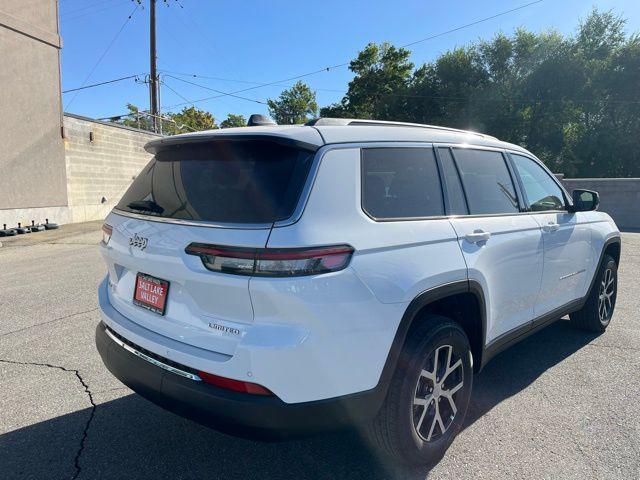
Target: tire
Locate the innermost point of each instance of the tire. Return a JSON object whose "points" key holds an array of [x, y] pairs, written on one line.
{"points": [[597, 311], [408, 431]]}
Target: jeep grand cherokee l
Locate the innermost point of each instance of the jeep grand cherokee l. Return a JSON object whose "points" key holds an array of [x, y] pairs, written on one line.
{"points": [[280, 280]]}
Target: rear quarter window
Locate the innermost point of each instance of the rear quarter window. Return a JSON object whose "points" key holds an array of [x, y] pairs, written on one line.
{"points": [[230, 181]]}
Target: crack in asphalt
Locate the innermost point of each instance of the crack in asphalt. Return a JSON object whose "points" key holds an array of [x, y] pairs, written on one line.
{"points": [[85, 432], [49, 321]]}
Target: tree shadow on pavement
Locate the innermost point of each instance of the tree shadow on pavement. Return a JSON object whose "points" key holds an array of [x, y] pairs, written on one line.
{"points": [[132, 438]]}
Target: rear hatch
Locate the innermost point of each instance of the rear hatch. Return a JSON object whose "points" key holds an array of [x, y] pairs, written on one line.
{"points": [[225, 192]]}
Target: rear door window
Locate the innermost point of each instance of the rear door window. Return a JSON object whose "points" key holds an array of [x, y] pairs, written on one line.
{"points": [[487, 181], [226, 181], [401, 183]]}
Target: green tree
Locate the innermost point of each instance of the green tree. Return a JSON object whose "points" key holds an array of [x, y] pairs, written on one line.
{"points": [[382, 73], [135, 118], [233, 120], [190, 119], [294, 105], [572, 100]]}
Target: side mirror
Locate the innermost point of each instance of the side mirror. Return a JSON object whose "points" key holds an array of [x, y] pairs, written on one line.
{"points": [[584, 200]]}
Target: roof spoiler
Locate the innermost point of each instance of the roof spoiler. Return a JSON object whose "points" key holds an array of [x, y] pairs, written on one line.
{"points": [[175, 141]]}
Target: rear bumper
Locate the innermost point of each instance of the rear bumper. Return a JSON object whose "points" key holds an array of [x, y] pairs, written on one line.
{"points": [[236, 413]]}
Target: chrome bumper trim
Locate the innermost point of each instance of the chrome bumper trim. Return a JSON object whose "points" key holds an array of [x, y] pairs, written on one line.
{"points": [[153, 361]]}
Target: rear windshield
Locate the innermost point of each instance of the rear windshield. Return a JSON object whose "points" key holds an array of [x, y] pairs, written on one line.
{"points": [[230, 181]]}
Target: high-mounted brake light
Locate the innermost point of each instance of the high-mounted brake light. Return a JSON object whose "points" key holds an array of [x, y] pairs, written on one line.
{"points": [[107, 230], [235, 385], [272, 262]]}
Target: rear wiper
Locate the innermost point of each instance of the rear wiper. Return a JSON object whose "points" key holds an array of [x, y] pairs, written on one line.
{"points": [[146, 206]]}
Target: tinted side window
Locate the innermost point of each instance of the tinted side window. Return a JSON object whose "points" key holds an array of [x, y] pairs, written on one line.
{"points": [[457, 203], [486, 181], [400, 183], [541, 191]]}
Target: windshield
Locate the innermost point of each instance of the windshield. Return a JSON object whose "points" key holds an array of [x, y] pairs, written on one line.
{"points": [[229, 181]]}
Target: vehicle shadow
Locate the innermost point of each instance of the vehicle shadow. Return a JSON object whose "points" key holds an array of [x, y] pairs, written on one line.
{"points": [[132, 438]]}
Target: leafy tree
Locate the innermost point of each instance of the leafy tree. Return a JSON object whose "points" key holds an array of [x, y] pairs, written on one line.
{"points": [[190, 119], [574, 101], [135, 119], [233, 120], [294, 105], [382, 73]]}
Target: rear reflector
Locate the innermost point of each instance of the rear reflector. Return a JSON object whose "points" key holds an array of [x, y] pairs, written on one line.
{"points": [[235, 385], [107, 230], [272, 262]]}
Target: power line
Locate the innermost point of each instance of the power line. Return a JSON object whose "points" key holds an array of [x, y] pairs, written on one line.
{"points": [[453, 99], [207, 41], [339, 65], [104, 54], [102, 83], [71, 17], [174, 91], [234, 80], [85, 7], [220, 92], [486, 19]]}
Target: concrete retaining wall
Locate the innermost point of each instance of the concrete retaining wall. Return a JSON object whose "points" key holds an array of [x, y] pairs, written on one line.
{"points": [[101, 160], [619, 197]]}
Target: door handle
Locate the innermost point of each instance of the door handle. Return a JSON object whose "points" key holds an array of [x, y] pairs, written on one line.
{"points": [[477, 236], [551, 227]]}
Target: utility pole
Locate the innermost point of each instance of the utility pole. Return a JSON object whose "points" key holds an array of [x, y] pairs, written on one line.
{"points": [[153, 74]]}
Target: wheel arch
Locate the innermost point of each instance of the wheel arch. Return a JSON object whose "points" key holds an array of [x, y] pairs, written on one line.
{"points": [[461, 301], [612, 246]]}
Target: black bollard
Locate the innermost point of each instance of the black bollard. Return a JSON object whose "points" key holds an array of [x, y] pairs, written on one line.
{"points": [[50, 226], [36, 228], [22, 230], [7, 232]]}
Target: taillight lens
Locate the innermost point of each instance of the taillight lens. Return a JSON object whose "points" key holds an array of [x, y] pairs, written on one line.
{"points": [[272, 262], [235, 385], [107, 230]]}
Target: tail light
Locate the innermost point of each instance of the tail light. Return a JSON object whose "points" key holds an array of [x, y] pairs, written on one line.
{"points": [[235, 385], [107, 230], [272, 262]]}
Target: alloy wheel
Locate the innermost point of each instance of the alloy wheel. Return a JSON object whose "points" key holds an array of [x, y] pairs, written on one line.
{"points": [[434, 402], [605, 296]]}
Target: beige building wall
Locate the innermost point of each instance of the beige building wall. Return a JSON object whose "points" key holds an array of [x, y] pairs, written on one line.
{"points": [[42, 175], [32, 167]]}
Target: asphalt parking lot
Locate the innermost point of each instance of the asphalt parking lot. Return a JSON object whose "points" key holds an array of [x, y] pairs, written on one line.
{"points": [[561, 404]]}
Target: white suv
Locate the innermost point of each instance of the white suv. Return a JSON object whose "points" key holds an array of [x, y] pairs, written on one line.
{"points": [[279, 280]]}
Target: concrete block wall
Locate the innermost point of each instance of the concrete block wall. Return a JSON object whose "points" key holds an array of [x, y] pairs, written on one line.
{"points": [[619, 197], [101, 161]]}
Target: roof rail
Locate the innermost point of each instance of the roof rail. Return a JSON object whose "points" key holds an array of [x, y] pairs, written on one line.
{"points": [[325, 121]]}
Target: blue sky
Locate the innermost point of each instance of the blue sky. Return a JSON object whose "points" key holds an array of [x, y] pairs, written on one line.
{"points": [[239, 42]]}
